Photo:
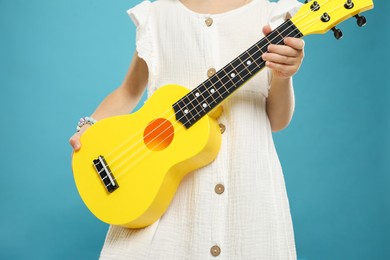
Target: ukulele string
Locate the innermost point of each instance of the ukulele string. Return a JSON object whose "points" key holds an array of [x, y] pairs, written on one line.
{"points": [[132, 138], [176, 123], [148, 152]]}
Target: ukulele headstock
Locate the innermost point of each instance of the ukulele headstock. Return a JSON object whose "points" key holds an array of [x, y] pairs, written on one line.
{"points": [[320, 16]]}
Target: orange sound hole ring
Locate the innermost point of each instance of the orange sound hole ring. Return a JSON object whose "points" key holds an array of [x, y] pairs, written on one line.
{"points": [[158, 135]]}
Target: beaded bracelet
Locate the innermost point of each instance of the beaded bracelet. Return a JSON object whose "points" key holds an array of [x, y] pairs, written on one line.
{"points": [[85, 121]]}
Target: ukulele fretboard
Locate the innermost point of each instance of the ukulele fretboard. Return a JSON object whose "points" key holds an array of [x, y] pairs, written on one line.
{"points": [[224, 82]]}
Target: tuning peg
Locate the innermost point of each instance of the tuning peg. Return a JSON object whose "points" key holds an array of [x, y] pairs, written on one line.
{"points": [[361, 20], [325, 17], [315, 6], [338, 34], [349, 4]]}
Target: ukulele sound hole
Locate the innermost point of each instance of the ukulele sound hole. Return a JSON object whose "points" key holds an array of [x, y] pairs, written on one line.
{"points": [[158, 135]]}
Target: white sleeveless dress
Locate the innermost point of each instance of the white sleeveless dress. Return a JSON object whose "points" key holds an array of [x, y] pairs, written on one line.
{"points": [[236, 207]]}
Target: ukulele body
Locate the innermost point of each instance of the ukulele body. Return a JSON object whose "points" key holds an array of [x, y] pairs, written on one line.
{"points": [[146, 154]]}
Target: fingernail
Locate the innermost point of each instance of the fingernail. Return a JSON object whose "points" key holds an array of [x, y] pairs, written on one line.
{"points": [[76, 146]]}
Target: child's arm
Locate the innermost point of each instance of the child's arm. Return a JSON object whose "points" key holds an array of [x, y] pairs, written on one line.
{"points": [[284, 60], [123, 99]]}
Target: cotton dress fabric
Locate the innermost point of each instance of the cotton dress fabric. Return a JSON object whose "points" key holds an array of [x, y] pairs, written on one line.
{"points": [[251, 218]]}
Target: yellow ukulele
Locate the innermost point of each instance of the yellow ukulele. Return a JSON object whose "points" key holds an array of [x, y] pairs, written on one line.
{"points": [[130, 166]]}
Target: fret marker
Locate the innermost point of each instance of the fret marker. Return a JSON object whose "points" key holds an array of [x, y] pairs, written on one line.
{"points": [[186, 111], [197, 94], [204, 105], [232, 75], [212, 91], [248, 62]]}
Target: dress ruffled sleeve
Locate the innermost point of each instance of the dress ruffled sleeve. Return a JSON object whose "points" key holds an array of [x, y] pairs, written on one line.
{"points": [[140, 15], [282, 10]]}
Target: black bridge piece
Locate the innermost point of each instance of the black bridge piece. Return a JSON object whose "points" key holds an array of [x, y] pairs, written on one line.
{"points": [[105, 174]]}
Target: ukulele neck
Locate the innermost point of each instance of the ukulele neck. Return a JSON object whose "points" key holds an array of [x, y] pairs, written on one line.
{"points": [[213, 91]]}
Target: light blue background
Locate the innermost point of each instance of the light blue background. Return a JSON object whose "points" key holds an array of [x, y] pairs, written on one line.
{"points": [[58, 59]]}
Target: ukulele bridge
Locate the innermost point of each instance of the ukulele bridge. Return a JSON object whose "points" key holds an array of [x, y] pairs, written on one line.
{"points": [[105, 174]]}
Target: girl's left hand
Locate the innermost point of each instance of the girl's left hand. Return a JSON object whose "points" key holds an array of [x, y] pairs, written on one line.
{"points": [[284, 60]]}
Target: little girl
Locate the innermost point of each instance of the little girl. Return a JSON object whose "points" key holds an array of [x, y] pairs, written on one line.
{"points": [[236, 207]]}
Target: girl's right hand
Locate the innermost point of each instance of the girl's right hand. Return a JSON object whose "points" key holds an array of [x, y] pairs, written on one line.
{"points": [[74, 141]]}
